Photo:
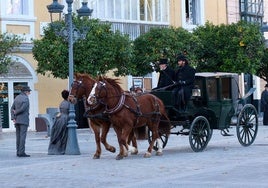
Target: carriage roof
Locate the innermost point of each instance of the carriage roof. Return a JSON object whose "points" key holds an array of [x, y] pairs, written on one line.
{"points": [[215, 74]]}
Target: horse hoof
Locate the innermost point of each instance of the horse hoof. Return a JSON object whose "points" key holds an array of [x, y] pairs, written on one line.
{"points": [[147, 155], [159, 153], [112, 149], [96, 157], [119, 157], [134, 152]]}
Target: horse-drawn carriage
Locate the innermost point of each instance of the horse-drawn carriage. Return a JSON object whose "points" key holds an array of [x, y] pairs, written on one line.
{"points": [[214, 104]]}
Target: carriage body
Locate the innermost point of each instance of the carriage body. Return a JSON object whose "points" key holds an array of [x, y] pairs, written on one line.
{"points": [[215, 100]]}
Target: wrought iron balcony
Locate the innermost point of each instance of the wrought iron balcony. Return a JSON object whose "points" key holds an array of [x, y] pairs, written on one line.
{"points": [[134, 29]]}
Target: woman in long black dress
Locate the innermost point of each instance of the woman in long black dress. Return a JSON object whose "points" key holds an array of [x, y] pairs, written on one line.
{"points": [[59, 131], [264, 105]]}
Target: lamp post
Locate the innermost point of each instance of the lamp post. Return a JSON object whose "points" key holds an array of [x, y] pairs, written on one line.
{"points": [[72, 147]]}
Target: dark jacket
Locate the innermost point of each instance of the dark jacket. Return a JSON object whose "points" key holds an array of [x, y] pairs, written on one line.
{"points": [[166, 77], [20, 109], [184, 78], [264, 101]]}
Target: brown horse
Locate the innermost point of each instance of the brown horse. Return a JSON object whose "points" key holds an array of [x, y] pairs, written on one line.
{"points": [[99, 122], [127, 111]]}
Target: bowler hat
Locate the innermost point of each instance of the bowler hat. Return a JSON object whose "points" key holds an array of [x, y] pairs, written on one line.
{"points": [[163, 61], [25, 88], [266, 85]]}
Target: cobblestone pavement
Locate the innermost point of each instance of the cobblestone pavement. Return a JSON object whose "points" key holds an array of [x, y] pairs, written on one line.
{"points": [[224, 163]]}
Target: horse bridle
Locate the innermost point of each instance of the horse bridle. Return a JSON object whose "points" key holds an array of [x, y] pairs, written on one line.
{"points": [[78, 84], [101, 85]]}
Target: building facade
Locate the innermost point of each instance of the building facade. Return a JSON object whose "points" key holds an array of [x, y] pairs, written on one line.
{"points": [[28, 17]]}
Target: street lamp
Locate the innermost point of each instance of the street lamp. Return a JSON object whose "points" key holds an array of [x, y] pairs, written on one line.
{"points": [[72, 147]]}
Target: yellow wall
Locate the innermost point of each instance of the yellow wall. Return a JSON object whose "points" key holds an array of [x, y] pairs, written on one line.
{"points": [[175, 13], [42, 14], [18, 29], [216, 11], [49, 92]]}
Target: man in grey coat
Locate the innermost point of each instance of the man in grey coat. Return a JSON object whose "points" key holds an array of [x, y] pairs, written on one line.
{"points": [[20, 116]]}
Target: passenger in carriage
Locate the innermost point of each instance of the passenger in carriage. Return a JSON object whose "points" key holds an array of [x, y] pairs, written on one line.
{"points": [[135, 90], [184, 78], [166, 77]]}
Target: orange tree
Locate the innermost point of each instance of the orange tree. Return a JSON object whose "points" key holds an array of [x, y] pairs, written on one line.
{"points": [[228, 48], [237, 47], [7, 44], [100, 51], [158, 43], [263, 70]]}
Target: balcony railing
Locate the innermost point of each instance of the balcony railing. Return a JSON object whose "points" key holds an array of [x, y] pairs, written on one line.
{"points": [[134, 29]]}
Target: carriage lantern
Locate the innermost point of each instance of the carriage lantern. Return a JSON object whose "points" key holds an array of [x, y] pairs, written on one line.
{"points": [[71, 33]]}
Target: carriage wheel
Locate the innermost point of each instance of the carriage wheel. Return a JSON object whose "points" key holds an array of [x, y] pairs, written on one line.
{"points": [[200, 134], [247, 125], [163, 137]]}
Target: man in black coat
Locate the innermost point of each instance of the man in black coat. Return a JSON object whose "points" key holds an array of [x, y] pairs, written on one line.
{"points": [[264, 105], [184, 78], [167, 75]]}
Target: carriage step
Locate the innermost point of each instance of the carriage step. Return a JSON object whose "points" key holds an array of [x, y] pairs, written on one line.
{"points": [[225, 132], [184, 132]]}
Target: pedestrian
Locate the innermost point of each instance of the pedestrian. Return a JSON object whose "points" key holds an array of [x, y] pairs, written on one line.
{"points": [[264, 104], [184, 78], [59, 131], [20, 116], [166, 77]]}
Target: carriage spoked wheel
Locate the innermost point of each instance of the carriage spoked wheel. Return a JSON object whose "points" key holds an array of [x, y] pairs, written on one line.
{"points": [[247, 125], [163, 139], [200, 134]]}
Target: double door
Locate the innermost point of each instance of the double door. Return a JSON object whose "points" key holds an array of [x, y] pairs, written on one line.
{"points": [[8, 91]]}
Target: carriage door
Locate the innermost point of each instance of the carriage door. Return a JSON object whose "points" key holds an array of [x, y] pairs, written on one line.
{"points": [[213, 98], [226, 102]]}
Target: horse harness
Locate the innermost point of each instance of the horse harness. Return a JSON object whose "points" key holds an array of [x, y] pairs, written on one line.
{"points": [[88, 109], [137, 111]]}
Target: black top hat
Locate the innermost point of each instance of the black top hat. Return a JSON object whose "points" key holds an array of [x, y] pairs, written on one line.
{"points": [[181, 58], [163, 62], [25, 88], [266, 85]]}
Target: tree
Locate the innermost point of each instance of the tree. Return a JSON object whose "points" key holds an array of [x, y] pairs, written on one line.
{"points": [[263, 70], [237, 47], [158, 43], [100, 51], [7, 43]]}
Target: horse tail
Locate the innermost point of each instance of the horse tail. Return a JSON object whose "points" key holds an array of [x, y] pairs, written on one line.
{"points": [[164, 125]]}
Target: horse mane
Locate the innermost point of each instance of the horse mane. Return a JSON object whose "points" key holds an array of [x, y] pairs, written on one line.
{"points": [[113, 81], [82, 75]]}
